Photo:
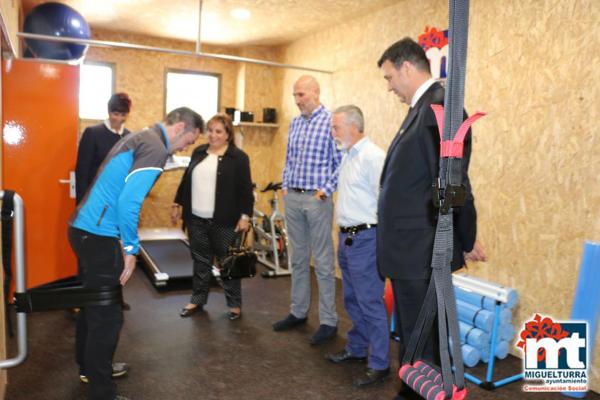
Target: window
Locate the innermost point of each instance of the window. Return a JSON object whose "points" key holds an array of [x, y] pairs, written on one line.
{"points": [[96, 85], [196, 90]]}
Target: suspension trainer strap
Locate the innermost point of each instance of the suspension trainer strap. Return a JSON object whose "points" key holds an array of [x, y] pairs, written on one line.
{"points": [[449, 193], [455, 147], [7, 244], [451, 179]]}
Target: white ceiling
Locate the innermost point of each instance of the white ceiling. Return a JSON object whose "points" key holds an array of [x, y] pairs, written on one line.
{"points": [[272, 22]]}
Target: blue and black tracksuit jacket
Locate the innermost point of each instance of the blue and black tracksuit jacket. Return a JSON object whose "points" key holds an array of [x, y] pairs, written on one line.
{"points": [[111, 206]]}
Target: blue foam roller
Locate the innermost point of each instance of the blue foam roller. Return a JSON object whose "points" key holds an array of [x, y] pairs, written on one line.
{"points": [[475, 299], [472, 335], [470, 355], [505, 316], [483, 302], [470, 314], [484, 353], [586, 304], [501, 353], [487, 303], [507, 332], [502, 349]]}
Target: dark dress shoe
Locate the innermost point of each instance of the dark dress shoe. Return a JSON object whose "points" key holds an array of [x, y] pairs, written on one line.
{"points": [[324, 333], [187, 312], [344, 356], [372, 376], [233, 315], [288, 322]]}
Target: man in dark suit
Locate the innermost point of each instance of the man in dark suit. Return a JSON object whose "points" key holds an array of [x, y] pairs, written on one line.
{"points": [[406, 214], [96, 141]]}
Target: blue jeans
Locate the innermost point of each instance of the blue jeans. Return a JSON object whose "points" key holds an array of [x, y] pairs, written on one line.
{"points": [[363, 299]]}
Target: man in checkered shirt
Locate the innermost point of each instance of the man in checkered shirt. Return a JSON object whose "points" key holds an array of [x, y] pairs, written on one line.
{"points": [[309, 180]]}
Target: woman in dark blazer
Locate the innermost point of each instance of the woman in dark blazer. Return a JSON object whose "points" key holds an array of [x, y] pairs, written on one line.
{"points": [[215, 201]]}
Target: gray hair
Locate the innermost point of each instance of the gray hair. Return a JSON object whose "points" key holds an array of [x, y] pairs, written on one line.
{"points": [[190, 118], [353, 115]]}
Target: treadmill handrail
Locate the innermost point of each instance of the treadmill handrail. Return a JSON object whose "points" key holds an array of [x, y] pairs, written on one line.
{"points": [[19, 243]]}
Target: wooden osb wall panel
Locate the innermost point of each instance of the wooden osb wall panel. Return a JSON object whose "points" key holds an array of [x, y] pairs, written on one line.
{"points": [[538, 190], [141, 74], [534, 165], [11, 11], [262, 88]]}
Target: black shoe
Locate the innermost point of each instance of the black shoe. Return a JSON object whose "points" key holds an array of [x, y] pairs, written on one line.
{"points": [[288, 322], [344, 356], [186, 312], [118, 370], [324, 333], [233, 315], [372, 376]]}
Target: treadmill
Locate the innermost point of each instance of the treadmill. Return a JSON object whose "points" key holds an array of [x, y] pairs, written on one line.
{"points": [[165, 255]]}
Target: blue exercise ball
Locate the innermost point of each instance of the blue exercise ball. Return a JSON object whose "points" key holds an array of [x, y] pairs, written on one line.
{"points": [[55, 19]]}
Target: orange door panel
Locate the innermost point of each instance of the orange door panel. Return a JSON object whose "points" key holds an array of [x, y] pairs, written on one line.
{"points": [[39, 120]]}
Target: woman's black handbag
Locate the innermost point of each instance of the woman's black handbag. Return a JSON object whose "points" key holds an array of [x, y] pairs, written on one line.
{"points": [[239, 263]]}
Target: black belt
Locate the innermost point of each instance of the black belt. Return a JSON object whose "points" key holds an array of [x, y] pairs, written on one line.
{"points": [[300, 190], [356, 228]]}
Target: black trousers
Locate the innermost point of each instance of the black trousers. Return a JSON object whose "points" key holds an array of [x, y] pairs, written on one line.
{"points": [[100, 262], [209, 240], [409, 295]]}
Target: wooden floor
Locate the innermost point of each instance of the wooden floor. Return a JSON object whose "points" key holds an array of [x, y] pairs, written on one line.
{"points": [[209, 357]]}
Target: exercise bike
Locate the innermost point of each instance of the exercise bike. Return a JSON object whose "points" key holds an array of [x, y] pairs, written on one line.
{"points": [[270, 240]]}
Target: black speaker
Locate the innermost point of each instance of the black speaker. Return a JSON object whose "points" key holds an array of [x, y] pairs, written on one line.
{"points": [[269, 115], [230, 111], [246, 116]]}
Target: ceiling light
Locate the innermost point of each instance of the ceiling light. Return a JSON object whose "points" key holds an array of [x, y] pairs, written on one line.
{"points": [[241, 13]]}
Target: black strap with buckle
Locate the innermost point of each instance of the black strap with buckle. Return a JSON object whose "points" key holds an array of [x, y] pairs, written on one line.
{"points": [[7, 245], [67, 293], [452, 196]]}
